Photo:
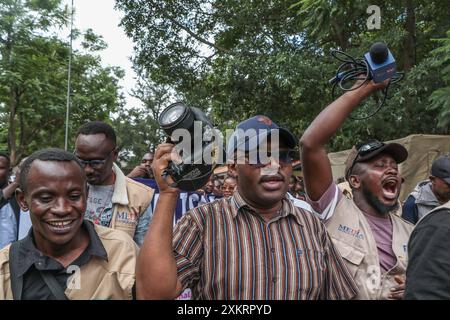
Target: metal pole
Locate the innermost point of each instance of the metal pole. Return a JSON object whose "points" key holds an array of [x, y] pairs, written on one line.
{"points": [[68, 80]]}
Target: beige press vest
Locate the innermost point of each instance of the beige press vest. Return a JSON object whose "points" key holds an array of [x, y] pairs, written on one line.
{"points": [[352, 235], [98, 279]]}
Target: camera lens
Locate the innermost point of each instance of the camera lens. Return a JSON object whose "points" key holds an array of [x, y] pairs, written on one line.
{"points": [[172, 115], [176, 116]]}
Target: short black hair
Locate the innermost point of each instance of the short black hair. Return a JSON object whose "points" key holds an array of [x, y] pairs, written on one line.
{"points": [[98, 127], [6, 156], [50, 154]]}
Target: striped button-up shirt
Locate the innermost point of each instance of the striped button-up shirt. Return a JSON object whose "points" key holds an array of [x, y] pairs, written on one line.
{"points": [[225, 250]]}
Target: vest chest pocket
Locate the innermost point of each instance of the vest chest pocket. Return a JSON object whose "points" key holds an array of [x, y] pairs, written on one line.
{"points": [[353, 256]]}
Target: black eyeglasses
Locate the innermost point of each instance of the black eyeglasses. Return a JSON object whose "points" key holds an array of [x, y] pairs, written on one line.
{"points": [[97, 163], [285, 157]]}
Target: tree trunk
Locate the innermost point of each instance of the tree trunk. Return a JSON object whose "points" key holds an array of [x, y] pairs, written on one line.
{"points": [[409, 43], [409, 51], [21, 147], [341, 38], [13, 104], [14, 98]]}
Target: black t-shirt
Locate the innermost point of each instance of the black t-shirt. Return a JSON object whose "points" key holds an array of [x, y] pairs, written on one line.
{"points": [[32, 262]]}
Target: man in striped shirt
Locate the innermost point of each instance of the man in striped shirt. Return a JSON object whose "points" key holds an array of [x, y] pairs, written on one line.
{"points": [[253, 245]]}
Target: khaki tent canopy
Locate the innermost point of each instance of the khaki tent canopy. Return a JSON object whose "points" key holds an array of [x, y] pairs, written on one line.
{"points": [[422, 150]]}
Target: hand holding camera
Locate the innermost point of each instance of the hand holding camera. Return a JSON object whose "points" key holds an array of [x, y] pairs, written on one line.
{"points": [[164, 155], [197, 145]]}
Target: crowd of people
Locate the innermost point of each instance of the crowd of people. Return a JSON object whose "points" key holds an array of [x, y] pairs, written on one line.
{"points": [[74, 226]]}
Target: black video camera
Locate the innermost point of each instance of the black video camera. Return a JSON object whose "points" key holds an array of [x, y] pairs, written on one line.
{"points": [[198, 147]]}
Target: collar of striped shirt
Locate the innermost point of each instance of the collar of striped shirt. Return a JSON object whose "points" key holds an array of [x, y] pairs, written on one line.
{"points": [[287, 208]]}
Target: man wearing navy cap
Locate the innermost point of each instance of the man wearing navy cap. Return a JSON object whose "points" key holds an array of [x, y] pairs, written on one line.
{"points": [[253, 245], [429, 194], [370, 237]]}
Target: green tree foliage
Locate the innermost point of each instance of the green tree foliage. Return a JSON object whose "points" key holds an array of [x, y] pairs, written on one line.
{"points": [[237, 58], [33, 78], [440, 99], [137, 128]]}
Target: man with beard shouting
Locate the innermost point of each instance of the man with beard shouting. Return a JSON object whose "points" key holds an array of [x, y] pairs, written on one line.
{"points": [[371, 239]]}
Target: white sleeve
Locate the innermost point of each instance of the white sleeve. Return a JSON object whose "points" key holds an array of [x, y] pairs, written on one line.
{"points": [[330, 198], [300, 203]]}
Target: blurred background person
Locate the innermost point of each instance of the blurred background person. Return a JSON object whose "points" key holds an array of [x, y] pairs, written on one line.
{"points": [[429, 194], [9, 208], [228, 186], [209, 193], [144, 169], [217, 188]]}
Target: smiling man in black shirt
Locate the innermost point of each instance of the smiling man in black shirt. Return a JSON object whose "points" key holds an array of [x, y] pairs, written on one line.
{"points": [[64, 256]]}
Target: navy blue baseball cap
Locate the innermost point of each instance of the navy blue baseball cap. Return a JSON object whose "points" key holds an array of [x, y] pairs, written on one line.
{"points": [[250, 133]]}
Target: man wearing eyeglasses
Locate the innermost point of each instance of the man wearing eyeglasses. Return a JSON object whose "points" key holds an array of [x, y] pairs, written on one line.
{"points": [[253, 245], [114, 200], [371, 239]]}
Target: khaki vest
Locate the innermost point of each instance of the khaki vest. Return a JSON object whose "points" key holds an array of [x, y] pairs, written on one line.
{"points": [[352, 235], [98, 279], [130, 200]]}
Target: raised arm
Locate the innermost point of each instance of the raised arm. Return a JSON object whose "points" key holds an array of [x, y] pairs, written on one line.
{"points": [[8, 192], [316, 166], [156, 271]]}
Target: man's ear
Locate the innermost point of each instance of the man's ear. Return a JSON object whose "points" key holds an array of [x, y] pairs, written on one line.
{"points": [[115, 154], [20, 197], [354, 181]]}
